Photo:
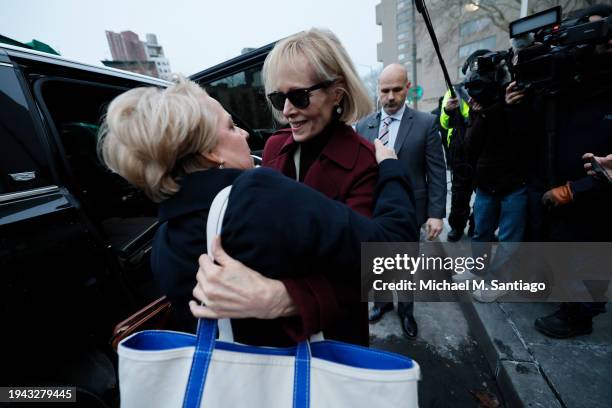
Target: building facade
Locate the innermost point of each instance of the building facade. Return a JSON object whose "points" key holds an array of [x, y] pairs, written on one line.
{"points": [[131, 54], [155, 53], [126, 46], [140, 67], [461, 27]]}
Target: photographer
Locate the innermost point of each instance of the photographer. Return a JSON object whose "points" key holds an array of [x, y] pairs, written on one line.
{"points": [[497, 152], [566, 205], [454, 116]]}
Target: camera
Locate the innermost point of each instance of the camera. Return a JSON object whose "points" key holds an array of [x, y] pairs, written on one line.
{"points": [[486, 76], [561, 52]]}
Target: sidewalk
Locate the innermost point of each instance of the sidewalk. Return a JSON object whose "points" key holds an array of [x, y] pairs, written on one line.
{"points": [[454, 368], [533, 370]]}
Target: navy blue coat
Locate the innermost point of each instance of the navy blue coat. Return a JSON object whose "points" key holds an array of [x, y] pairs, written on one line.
{"points": [[282, 229]]}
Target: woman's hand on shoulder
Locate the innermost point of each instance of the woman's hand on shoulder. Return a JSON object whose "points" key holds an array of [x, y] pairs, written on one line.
{"points": [[230, 289], [383, 152]]}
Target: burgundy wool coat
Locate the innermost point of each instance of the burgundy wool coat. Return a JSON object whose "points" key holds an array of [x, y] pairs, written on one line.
{"points": [[346, 171]]}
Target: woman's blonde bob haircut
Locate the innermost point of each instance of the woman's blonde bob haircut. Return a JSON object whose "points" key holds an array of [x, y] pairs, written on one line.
{"points": [[329, 61], [152, 136]]}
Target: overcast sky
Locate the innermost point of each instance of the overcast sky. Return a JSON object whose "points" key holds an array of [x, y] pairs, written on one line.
{"points": [[195, 34]]}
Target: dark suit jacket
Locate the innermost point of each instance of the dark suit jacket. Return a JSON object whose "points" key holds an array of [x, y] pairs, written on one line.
{"points": [[419, 149], [282, 229], [345, 171]]}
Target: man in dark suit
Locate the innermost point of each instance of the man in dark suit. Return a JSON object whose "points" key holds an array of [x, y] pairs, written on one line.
{"points": [[416, 141]]}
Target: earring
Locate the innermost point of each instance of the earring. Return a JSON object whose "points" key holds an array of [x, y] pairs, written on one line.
{"points": [[221, 166], [339, 110]]}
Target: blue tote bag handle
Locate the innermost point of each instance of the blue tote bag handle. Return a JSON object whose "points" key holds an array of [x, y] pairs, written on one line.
{"points": [[207, 331], [205, 345]]}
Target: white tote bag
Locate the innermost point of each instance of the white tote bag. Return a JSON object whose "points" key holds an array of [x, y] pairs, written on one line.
{"points": [[171, 369]]}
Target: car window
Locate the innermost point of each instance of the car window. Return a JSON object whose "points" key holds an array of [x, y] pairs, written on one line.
{"points": [[242, 94], [23, 165], [76, 109]]}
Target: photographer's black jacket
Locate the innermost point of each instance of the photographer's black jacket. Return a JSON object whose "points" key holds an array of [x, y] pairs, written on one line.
{"points": [[583, 125], [497, 149]]}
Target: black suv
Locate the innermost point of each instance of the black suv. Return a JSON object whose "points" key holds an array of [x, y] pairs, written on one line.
{"points": [[74, 238]]}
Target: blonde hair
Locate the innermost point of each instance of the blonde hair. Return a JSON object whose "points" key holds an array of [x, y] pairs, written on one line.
{"points": [[329, 60], [152, 136]]}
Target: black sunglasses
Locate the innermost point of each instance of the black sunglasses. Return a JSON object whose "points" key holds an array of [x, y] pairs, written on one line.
{"points": [[300, 98]]}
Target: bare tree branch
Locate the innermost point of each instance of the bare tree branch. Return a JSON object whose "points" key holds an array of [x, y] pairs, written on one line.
{"points": [[499, 12], [497, 16], [370, 80]]}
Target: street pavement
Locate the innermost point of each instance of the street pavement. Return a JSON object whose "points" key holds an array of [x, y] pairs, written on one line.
{"points": [[454, 370], [537, 371], [490, 355]]}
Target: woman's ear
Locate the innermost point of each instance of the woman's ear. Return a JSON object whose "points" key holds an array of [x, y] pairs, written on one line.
{"points": [[339, 93], [212, 157]]}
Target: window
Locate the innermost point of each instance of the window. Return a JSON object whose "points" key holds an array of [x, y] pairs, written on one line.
{"points": [[403, 27], [23, 165], [401, 57], [243, 95], [76, 109], [401, 5], [401, 46], [488, 43], [405, 37], [403, 16], [474, 26], [231, 81]]}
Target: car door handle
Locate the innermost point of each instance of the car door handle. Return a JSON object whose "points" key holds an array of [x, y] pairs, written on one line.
{"points": [[23, 176]]}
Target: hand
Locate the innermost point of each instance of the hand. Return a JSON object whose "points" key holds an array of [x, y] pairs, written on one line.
{"points": [[513, 96], [433, 228], [606, 163], [233, 290], [558, 196], [451, 104], [383, 152], [474, 106]]}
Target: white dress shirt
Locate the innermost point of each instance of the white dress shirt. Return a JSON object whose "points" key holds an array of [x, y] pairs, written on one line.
{"points": [[393, 126]]}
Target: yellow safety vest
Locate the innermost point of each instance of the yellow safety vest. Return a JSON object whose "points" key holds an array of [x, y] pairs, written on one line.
{"points": [[464, 108]]}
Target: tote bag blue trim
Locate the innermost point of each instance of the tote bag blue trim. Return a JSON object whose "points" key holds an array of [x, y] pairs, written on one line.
{"points": [[204, 346], [359, 356], [330, 350], [205, 342], [301, 376]]}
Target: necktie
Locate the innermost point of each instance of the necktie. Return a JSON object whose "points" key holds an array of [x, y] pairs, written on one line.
{"points": [[384, 131]]}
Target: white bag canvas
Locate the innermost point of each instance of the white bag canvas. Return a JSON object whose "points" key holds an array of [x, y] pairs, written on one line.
{"points": [[171, 369]]}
